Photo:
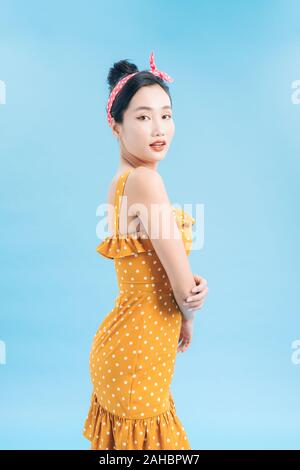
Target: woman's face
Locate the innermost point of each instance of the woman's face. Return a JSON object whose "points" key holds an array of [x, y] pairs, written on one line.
{"points": [[142, 126]]}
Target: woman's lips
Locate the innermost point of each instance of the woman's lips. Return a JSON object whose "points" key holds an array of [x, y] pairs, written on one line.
{"points": [[158, 148]]}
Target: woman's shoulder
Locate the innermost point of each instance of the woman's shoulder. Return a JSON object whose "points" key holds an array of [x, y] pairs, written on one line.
{"points": [[146, 186], [144, 177]]}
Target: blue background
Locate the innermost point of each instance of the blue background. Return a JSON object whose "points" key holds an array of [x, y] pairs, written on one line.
{"points": [[236, 150]]}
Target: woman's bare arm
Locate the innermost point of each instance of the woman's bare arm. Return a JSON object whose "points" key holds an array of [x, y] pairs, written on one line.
{"points": [[149, 192]]}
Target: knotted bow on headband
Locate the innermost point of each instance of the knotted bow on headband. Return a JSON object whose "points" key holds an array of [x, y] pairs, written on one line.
{"points": [[122, 82]]}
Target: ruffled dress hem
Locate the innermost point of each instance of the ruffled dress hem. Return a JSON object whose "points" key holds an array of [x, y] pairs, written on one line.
{"points": [[108, 431]]}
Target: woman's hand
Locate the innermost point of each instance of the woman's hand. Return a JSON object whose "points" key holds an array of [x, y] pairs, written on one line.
{"points": [[186, 334], [196, 299]]}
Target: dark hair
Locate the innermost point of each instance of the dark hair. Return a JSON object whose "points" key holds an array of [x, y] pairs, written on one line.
{"points": [[143, 78]]}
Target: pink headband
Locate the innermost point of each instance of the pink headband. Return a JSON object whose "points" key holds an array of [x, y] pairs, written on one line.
{"points": [[122, 82]]}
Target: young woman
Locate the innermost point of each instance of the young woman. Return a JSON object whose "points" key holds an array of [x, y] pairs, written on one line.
{"points": [[134, 350]]}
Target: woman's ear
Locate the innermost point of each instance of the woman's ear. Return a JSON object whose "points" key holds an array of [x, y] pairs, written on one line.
{"points": [[115, 128]]}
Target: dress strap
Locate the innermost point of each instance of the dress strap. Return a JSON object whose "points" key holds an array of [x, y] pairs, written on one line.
{"points": [[118, 198]]}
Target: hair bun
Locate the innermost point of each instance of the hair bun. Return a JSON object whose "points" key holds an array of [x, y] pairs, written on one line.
{"points": [[119, 70]]}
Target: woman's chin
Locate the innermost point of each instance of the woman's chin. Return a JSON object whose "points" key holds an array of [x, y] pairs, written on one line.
{"points": [[157, 156]]}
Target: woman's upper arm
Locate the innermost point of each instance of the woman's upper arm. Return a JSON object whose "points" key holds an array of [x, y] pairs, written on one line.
{"points": [[154, 210]]}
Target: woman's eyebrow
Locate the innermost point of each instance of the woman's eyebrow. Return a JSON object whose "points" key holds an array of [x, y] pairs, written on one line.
{"points": [[150, 109]]}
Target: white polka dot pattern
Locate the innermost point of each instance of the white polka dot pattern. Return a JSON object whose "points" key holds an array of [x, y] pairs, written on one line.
{"points": [[133, 352]]}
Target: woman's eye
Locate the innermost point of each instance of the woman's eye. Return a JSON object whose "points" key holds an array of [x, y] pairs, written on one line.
{"points": [[141, 117]]}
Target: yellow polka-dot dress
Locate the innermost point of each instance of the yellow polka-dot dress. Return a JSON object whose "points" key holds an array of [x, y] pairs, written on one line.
{"points": [[134, 350]]}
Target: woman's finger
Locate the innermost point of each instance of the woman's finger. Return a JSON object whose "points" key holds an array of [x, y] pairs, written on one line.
{"points": [[199, 289], [201, 283], [193, 301], [193, 305], [197, 297], [196, 306], [186, 345]]}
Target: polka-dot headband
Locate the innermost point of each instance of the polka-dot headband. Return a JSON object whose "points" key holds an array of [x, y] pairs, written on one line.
{"points": [[121, 83]]}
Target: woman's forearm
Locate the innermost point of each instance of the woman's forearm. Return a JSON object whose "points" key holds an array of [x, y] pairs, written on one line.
{"points": [[180, 299], [187, 315]]}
